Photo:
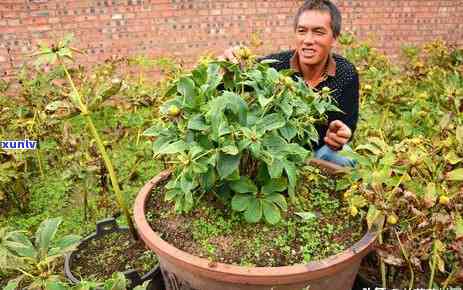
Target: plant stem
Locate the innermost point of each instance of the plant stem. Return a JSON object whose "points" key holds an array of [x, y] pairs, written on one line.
{"points": [[382, 264], [40, 161], [99, 143], [433, 264], [412, 273], [112, 174]]}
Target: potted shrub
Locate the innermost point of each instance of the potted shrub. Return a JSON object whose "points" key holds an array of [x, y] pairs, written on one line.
{"points": [[111, 249], [238, 207]]}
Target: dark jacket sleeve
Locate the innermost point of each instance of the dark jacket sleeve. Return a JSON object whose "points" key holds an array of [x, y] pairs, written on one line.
{"points": [[348, 102]]}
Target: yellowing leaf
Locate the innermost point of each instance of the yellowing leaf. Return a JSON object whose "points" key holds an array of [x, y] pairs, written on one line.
{"points": [[358, 201], [458, 227], [373, 215], [453, 158], [430, 195], [459, 134], [455, 175]]}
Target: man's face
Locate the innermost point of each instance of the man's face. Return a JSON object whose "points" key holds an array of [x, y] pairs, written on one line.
{"points": [[314, 37]]}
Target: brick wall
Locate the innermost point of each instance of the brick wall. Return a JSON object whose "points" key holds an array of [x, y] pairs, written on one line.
{"points": [[188, 28]]}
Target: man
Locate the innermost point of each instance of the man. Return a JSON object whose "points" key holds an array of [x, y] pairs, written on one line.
{"points": [[317, 26]]}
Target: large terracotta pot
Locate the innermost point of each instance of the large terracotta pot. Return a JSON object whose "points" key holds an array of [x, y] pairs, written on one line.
{"points": [[183, 271]]}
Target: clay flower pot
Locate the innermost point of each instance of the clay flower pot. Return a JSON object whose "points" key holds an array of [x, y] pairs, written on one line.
{"points": [[183, 271]]}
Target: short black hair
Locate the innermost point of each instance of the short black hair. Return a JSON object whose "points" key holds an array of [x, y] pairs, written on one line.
{"points": [[322, 5]]}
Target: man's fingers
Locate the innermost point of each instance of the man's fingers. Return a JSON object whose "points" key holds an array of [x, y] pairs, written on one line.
{"points": [[332, 144], [344, 132], [229, 54], [338, 139], [335, 125]]}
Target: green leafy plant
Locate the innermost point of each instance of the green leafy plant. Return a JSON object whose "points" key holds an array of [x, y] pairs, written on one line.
{"points": [[36, 259], [62, 52], [116, 282], [238, 132]]}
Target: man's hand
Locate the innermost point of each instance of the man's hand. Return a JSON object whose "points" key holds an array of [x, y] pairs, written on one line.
{"points": [[230, 54], [337, 135]]}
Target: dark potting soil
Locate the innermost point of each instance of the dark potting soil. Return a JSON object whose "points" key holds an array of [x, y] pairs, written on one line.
{"points": [[114, 252], [219, 234]]}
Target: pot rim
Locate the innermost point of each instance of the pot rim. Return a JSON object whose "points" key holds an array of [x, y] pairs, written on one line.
{"points": [[234, 273]]}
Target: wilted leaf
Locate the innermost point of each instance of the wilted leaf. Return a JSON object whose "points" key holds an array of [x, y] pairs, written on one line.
{"points": [[430, 195], [459, 134], [458, 227], [390, 258], [373, 216]]}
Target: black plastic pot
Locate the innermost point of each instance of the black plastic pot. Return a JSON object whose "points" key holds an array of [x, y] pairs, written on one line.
{"points": [[362, 283], [105, 227]]}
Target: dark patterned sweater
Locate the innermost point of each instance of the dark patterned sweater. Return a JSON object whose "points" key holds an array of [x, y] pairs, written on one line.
{"points": [[345, 87]]}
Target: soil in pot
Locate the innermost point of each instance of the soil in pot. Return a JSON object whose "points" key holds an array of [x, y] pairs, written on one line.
{"points": [[318, 226], [113, 252]]}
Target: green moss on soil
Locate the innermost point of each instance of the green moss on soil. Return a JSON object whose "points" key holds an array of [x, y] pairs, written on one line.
{"points": [[217, 233], [115, 252]]}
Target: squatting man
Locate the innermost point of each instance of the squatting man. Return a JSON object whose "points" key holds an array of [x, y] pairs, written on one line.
{"points": [[317, 26]]}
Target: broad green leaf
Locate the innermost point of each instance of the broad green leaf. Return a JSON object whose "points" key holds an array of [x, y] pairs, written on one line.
{"points": [[186, 87], [241, 202], [12, 285], [65, 244], [20, 244], [291, 172], [277, 199], [230, 149], [117, 282], [244, 185], [270, 122], [153, 131], [369, 147], [208, 179], [226, 164], [275, 185], [253, 213], [213, 76], [455, 175], [197, 123], [275, 169], [172, 193], [45, 234], [173, 148], [307, 216], [271, 212], [288, 132], [56, 285]]}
